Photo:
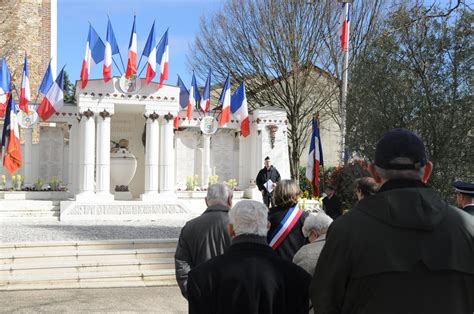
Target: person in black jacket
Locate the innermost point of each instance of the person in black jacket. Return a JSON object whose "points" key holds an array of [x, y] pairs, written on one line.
{"points": [[287, 195], [204, 237], [401, 250], [465, 196], [249, 277], [264, 175], [331, 203]]}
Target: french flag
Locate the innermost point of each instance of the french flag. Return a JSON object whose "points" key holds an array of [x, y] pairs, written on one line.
{"points": [[25, 88], [163, 56], [5, 82], [315, 158], [238, 106], [132, 53], [12, 159], [183, 100], [111, 48], [225, 101], [47, 81], [206, 94], [150, 52], [194, 98], [53, 100], [95, 50], [344, 24]]}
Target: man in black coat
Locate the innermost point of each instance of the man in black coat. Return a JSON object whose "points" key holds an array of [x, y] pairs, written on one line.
{"points": [[331, 203], [465, 196], [402, 250], [250, 277], [264, 175], [204, 237]]}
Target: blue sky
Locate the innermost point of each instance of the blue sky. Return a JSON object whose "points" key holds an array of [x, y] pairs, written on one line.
{"points": [[181, 16]]}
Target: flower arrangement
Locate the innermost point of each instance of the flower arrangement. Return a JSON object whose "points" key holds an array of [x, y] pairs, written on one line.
{"points": [[192, 182], [54, 183], [213, 179], [38, 184], [231, 183], [17, 182]]}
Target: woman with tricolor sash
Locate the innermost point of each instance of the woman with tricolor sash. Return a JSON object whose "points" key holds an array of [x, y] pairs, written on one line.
{"points": [[285, 235]]}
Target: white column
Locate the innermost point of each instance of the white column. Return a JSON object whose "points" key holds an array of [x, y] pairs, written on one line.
{"points": [[71, 155], [166, 169], [244, 162], [151, 158], [103, 156], [86, 188], [29, 171], [206, 160]]}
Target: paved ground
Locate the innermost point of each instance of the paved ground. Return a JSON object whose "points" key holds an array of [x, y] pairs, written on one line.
{"points": [[116, 300]]}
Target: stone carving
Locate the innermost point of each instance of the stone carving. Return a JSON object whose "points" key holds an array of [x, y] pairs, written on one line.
{"points": [[123, 165], [88, 114], [168, 117], [273, 129], [105, 114], [124, 209]]}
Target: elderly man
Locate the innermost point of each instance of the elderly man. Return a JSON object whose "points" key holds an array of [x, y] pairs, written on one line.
{"points": [[314, 228], [250, 277], [465, 196], [402, 250], [204, 237]]}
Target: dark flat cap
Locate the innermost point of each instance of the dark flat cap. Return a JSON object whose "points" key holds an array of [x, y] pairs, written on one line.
{"points": [[464, 187]]}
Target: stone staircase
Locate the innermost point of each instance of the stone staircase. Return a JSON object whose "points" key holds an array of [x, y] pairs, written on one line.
{"points": [[87, 264], [29, 210]]}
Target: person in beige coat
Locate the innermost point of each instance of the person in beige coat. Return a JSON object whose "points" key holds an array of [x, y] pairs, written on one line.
{"points": [[314, 228]]}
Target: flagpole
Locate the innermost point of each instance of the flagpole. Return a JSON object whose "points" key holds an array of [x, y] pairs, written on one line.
{"points": [[345, 72], [117, 66]]}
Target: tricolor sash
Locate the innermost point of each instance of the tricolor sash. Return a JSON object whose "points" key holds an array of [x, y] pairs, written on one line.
{"points": [[285, 226]]}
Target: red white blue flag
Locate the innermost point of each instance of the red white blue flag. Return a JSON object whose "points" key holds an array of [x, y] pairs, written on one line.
{"points": [[183, 100], [224, 100], [5, 82], [150, 52], [25, 88], [47, 81], [132, 53], [12, 159], [53, 100], [344, 24], [163, 58], [315, 158], [194, 97], [111, 48], [206, 94], [95, 50], [238, 106]]}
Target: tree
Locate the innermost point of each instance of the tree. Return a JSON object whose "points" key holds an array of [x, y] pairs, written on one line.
{"points": [[280, 49], [418, 75], [69, 90]]}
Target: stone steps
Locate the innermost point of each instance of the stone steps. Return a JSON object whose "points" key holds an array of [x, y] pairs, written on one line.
{"points": [[87, 264], [29, 209]]}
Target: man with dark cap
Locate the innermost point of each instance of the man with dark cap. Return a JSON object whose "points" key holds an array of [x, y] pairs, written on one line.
{"points": [[465, 196], [267, 179], [402, 250]]}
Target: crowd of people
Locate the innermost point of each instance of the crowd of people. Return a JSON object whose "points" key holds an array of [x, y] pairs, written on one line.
{"points": [[401, 249]]}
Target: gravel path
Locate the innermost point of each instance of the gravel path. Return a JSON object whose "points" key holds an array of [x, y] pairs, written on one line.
{"points": [[14, 232]]}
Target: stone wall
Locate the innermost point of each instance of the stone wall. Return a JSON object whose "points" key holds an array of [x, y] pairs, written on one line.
{"points": [[25, 26]]}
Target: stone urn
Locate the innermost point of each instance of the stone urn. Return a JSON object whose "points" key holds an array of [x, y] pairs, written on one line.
{"points": [[123, 165]]}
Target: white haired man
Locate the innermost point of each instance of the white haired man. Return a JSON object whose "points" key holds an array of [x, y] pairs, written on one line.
{"points": [[250, 277], [401, 250], [314, 228], [204, 237]]}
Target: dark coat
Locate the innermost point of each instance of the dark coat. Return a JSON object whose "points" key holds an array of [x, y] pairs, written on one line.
{"points": [[264, 175], [201, 239], [469, 209], [332, 206], [402, 250], [294, 240], [249, 278]]}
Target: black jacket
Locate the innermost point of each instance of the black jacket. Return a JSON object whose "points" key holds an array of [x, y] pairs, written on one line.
{"points": [[469, 209], [264, 175], [294, 240], [249, 278], [201, 239], [332, 206], [402, 250]]}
